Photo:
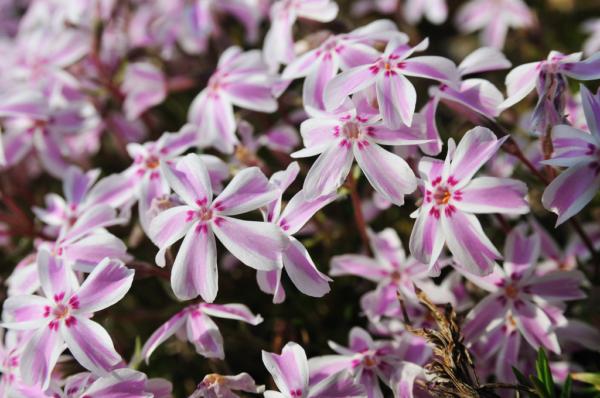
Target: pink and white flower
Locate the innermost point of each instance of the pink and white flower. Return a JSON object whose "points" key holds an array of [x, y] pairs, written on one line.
{"points": [[195, 323], [592, 44], [344, 51], [396, 96], [144, 86], [241, 79], [218, 386], [452, 197], [147, 181], [339, 138], [523, 79], [256, 244], [290, 371], [61, 319], [297, 262], [493, 18], [370, 361], [473, 94], [122, 382], [392, 271], [520, 300], [579, 152], [278, 46]]}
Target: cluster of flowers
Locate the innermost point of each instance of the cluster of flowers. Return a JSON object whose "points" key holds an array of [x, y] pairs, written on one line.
{"points": [[88, 77]]}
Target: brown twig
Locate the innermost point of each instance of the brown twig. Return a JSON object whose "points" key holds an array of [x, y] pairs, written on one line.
{"points": [[359, 217]]}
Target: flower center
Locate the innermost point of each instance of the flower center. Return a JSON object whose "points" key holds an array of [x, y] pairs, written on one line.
{"points": [[61, 311], [442, 195], [351, 130], [370, 361], [152, 162], [212, 379], [512, 291]]}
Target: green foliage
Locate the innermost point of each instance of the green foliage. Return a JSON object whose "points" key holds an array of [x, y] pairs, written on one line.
{"points": [[541, 384]]}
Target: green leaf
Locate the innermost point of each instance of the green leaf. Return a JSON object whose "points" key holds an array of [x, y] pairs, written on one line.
{"points": [[544, 373], [589, 378], [521, 377], [539, 387], [566, 390]]}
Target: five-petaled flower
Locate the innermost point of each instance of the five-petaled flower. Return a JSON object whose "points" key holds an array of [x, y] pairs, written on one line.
{"points": [[396, 96], [256, 244], [61, 319], [452, 197]]}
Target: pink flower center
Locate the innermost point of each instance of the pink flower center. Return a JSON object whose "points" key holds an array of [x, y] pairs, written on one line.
{"points": [[442, 195], [512, 291], [152, 162], [370, 361], [351, 130]]}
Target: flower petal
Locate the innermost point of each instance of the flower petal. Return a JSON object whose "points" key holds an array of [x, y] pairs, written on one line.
{"points": [[468, 243], [167, 228], [303, 272], [40, 356], [494, 195], [397, 99], [195, 268], [388, 173], [189, 179], [289, 370], [90, 344], [427, 237], [205, 335], [107, 284], [480, 319], [476, 147], [572, 190], [25, 312], [535, 326], [299, 210], [257, 244], [238, 312], [161, 334], [248, 190], [328, 172], [346, 83]]}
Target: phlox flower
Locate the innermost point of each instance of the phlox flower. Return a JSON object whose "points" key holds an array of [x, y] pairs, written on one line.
{"points": [[11, 349], [148, 182], [256, 244], [61, 319], [344, 51], [278, 47], [290, 371], [297, 262], [339, 138], [475, 94], [396, 96], [144, 86], [392, 271], [218, 386], [370, 361], [122, 382], [436, 11], [200, 330], [85, 198], [493, 18], [520, 301], [452, 197], [592, 44], [579, 152], [168, 25], [241, 79], [523, 79]]}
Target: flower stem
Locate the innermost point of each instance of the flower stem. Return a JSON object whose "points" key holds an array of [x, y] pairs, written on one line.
{"points": [[359, 218]]}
